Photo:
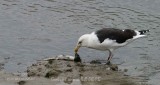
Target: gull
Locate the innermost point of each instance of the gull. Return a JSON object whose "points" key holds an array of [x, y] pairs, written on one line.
{"points": [[107, 39]]}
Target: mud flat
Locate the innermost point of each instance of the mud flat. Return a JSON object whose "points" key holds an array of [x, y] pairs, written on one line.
{"points": [[67, 72]]}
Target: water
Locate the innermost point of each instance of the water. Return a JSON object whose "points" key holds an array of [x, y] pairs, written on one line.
{"points": [[34, 29]]}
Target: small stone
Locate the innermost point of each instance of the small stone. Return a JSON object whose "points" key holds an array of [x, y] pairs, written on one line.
{"points": [[125, 70], [50, 61], [68, 80], [95, 62], [68, 65], [52, 73], [114, 67], [107, 68], [21, 82], [69, 70]]}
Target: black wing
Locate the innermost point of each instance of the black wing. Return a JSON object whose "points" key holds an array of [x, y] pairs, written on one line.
{"points": [[115, 34]]}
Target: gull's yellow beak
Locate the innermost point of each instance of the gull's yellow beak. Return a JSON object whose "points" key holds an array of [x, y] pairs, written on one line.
{"points": [[76, 48]]}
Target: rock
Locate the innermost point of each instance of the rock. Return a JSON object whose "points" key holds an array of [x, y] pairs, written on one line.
{"points": [[21, 82], [114, 67], [52, 73], [78, 73], [125, 70]]}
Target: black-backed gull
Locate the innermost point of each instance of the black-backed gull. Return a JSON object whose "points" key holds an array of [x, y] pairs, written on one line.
{"points": [[108, 39]]}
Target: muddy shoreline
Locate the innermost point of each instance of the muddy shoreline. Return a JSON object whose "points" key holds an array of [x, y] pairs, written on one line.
{"points": [[67, 72]]}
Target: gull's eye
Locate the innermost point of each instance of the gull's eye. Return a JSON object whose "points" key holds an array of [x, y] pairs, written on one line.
{"points": [[80, 42]]}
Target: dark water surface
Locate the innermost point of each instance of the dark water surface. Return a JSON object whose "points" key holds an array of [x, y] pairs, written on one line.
{"points": [[34, 29]]}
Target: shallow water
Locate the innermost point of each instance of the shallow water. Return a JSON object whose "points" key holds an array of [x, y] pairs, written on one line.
{"points": [[34, 29]]}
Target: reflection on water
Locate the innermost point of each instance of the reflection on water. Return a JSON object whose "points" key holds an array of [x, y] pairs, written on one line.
{"points": [[35, 29]]}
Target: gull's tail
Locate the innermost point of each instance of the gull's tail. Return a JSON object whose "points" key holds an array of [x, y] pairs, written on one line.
{"points": [[140, 34], [143, 31]]}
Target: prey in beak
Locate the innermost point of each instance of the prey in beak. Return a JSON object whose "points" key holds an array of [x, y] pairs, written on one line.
{"points": [[77, 57], [82, 42]]}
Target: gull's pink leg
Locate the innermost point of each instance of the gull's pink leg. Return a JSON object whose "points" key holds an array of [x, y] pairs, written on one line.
{"points": [[110, 57]]}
